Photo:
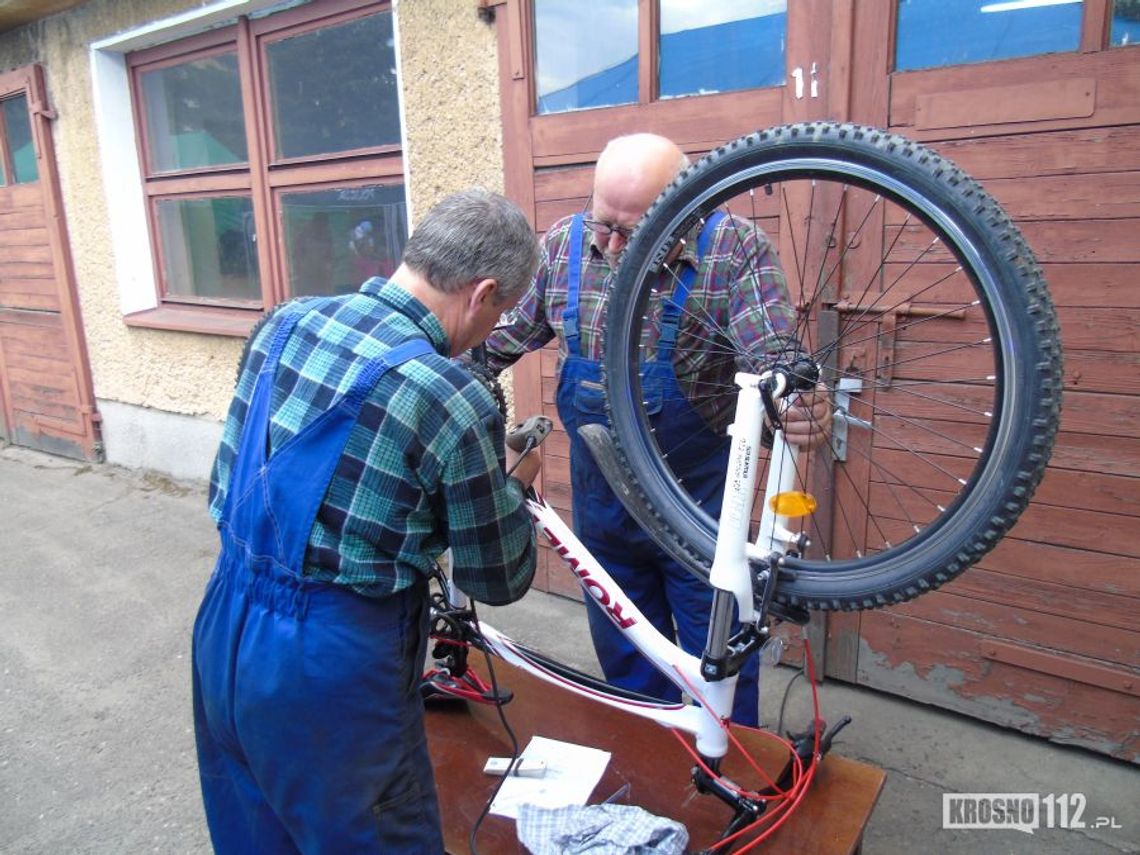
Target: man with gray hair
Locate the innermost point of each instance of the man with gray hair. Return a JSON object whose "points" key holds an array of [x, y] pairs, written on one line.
{"points": [[355, 452]]}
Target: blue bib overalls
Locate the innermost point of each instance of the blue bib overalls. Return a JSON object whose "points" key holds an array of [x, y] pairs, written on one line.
{"points": [[307, 713], [664, 590]]}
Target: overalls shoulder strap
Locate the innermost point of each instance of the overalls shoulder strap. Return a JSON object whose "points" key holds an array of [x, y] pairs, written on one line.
{"points": [[301, 470], [411, 349], [573, 286], [253, 444], [273, 499], [671, 306]]}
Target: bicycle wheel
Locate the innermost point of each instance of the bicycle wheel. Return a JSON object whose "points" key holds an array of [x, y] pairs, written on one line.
{"points": [[924, 310]]}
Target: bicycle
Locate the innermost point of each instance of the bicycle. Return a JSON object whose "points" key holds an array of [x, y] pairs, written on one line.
{"points": [[921, 308]]}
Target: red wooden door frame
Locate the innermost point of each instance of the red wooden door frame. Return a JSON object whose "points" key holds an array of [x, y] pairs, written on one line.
{"points": [[81, 437]]}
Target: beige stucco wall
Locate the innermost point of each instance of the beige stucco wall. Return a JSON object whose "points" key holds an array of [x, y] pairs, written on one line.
{"points": [[449, 62], [450, 77]]}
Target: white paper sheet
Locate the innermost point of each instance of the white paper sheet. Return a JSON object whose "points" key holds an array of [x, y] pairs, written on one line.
{"points": [[572, 772]]}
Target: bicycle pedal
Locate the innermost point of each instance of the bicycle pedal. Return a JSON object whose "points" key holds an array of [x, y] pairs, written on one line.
{"points": [[433, 692], [434, 698]]}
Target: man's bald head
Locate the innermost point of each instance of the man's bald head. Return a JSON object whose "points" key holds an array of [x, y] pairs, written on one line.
{"points": [[637, 167], [631, 172]]}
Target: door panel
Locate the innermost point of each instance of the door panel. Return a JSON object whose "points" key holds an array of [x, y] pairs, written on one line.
{"points": [[1027, 638], [46, 400], [1056, 138]]}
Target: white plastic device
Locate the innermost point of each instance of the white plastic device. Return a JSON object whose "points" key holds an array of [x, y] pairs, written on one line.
{"points": [[523, 768]]}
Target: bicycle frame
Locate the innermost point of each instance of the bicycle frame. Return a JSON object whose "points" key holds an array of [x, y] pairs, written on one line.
{"points": [[731, 578]]}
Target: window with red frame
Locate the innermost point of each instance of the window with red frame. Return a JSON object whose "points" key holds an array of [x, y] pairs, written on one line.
{"points": [[272, 157]]}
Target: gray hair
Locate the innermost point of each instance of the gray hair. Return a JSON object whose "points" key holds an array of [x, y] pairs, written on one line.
{"points": [[474, 234]]}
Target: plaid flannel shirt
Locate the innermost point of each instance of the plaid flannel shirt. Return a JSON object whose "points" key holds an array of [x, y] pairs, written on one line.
{"points": [[423, 467], [739, 286]]}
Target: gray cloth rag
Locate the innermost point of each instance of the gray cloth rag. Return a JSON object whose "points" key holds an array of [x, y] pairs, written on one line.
{"points": [[604, 829]]}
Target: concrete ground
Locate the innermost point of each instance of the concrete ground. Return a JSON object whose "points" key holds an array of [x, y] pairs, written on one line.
{"points": [[102, 572]]}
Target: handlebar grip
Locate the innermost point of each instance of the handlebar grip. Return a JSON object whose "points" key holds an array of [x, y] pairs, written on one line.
{"points": [[529, 434]]}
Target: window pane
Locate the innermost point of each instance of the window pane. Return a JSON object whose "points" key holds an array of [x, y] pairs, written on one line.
{"points": [[194, 114], [949, 32], [335, 89], [18, 139], [585, 54], [721, 46], [208, 248], [1126, 22], [335, 239]]}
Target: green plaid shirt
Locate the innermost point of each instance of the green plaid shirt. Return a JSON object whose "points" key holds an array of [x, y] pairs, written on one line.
{"points": [[423, 467], [739, 286]]}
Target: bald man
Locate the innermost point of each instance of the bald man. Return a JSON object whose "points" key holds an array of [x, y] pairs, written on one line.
{"points": [[725, 261]]}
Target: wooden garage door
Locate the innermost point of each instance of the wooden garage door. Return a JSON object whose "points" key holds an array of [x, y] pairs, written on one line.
{"points": [[46, 400], [1042, 635], [549, 149]]}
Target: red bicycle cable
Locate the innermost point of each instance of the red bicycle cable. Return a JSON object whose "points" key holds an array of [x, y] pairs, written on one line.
{"points": [[801, 787]]}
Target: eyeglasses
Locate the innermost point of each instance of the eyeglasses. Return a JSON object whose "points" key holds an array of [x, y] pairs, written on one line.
{"points": [[606, 229]]}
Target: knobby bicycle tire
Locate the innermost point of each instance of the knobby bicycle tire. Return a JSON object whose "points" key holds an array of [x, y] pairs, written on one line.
{"points": [[919, 293]]}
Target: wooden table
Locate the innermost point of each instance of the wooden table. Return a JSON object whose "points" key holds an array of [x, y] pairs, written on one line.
{"points": [[829, 821]]}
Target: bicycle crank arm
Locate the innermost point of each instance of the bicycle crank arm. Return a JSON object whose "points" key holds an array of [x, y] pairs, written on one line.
{"points": [[745, 810]]}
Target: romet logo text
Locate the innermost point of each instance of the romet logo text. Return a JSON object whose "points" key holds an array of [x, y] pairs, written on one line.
{"points": [[596, 589]]}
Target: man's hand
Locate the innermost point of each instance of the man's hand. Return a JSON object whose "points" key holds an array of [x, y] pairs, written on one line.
{"points": [[528, 434], [528, 465], [807, 422]]}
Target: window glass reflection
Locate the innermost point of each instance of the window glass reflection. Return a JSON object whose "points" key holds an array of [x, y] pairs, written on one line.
{"points": [[721, 46], [193, 114], [18, 139], [334, 89], [335, 239], [208, 249], [1125, 23], [585, 54], [934, 33]]}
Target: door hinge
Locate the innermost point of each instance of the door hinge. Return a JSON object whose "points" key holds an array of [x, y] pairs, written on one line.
{"points": [[38, 109]]}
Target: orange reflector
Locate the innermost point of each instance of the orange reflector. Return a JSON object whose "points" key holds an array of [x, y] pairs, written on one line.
{"points": [[793, 504]]}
